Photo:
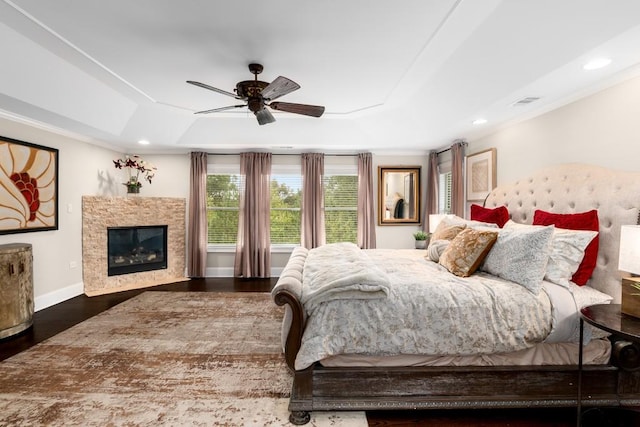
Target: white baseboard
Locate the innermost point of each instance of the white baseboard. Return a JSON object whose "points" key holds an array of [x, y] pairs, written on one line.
{"points": [[219, 272], [55, 297]]}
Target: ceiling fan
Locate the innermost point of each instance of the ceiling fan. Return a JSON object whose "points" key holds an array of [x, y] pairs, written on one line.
{"points": [[259, 95]]}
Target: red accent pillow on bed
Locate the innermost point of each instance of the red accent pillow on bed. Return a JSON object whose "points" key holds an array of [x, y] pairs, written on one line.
{"points": [[578, 221], [499, 215]]}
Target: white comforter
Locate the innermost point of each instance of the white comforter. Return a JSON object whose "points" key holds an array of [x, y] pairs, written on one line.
{"points": [[341, 271], [427, 311]]}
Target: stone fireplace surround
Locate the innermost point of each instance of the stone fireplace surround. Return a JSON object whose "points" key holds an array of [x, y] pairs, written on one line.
{"points": [[99, 213]]}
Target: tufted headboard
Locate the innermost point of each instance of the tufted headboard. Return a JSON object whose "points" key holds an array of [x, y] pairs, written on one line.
{"points": [[571, 188]]}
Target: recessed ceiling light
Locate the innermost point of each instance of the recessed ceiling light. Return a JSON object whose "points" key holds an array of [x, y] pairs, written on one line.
{"points": [[479, 121], [596, 63], [143, 142]]}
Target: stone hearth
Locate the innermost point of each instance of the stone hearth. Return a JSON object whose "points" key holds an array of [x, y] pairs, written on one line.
{"points": [[99, 213]]}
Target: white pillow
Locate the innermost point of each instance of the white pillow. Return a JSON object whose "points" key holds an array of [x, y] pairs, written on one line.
{"points": [[451, 219], [567, 252], [520, 255], [586, 295]]}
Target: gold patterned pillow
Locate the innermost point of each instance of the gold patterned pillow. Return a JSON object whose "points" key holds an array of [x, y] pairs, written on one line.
{"points": [[467, 250]]}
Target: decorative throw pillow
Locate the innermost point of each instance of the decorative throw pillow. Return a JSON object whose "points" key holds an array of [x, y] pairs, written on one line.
{"points": [[435, 249], [499, 215], [567, 251], [465, 253], [578, 221], [520, 255], [447, 232]]}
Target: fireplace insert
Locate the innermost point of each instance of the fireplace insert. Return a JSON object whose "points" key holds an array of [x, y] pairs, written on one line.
{"points": [[135, 249]]}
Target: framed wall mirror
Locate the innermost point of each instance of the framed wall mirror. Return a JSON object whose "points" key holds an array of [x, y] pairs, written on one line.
{"points": [[398, 195]]}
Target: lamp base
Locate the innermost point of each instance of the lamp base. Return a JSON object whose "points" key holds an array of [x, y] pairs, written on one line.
{"points": [[631, 296]]}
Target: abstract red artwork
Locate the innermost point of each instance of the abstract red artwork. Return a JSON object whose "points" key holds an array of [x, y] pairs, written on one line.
{"points": [[28, 187]]}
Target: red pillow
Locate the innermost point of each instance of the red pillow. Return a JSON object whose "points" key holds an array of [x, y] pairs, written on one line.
{"points": [[499, 215], [578, 221]]}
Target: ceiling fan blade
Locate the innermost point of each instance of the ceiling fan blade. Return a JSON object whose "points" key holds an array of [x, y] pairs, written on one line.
{"points": [[280, 86], [215, 89], [264, 116], [215, 110], [307, 110]]}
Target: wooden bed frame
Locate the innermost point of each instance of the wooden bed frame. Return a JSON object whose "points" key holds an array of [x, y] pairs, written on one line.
{"points": [[563, 189]]}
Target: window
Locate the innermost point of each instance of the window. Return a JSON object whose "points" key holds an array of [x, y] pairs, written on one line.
{"points": [[341, 206], [223, 202], [444, 192], [223, 205], [340, 200], [286, 201]]}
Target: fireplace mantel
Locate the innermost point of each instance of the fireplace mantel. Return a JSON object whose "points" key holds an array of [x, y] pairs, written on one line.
{"points": [[99, 213]]}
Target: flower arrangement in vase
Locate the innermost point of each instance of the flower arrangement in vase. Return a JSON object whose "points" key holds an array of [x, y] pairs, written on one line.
{"points": [[135, 166]]}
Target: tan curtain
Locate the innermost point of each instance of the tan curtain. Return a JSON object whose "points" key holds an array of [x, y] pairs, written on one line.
{"points": [[366, 205], [197, 248], [432, 188], [457, 178], [253, 247], [312, 230]]}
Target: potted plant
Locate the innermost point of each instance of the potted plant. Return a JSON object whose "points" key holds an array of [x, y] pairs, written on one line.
{"points": [[422, 238]]}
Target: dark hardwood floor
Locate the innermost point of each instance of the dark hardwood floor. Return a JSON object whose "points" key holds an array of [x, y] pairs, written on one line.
{"points": [[52, 320]]}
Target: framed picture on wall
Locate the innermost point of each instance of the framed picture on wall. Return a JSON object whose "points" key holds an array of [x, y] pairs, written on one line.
{"points": [[28, 187], [481, 174]]}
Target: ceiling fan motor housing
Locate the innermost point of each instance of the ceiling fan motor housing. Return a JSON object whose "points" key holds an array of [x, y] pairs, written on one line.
{"points": [[255, 104]]}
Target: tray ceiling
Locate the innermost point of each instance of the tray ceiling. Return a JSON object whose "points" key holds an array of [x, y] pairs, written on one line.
{"points": [[394, 76]]}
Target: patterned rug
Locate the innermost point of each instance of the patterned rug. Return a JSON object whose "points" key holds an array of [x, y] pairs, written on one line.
{"points": [[161, 358]]}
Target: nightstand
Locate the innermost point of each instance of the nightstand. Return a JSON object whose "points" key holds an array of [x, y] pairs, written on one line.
{"points": [[626, 351]]}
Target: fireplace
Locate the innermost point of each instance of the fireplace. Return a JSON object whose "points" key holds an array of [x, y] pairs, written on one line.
{"points": [[136, 249]]}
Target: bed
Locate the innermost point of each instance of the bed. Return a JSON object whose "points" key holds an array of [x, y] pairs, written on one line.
{"points": [[518, 365]]}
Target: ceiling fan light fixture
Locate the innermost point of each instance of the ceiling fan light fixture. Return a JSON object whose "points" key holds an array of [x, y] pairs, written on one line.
{"points": [[264, 117], [255, 104]]}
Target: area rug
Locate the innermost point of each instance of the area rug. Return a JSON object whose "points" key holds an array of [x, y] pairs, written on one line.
{"points": [[161, 358]]}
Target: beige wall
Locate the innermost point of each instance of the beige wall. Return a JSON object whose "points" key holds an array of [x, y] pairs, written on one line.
{"points": [[601, 129]]}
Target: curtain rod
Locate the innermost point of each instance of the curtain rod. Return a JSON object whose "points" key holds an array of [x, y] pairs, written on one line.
{"points": [[298, 154], [457, 141]]}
